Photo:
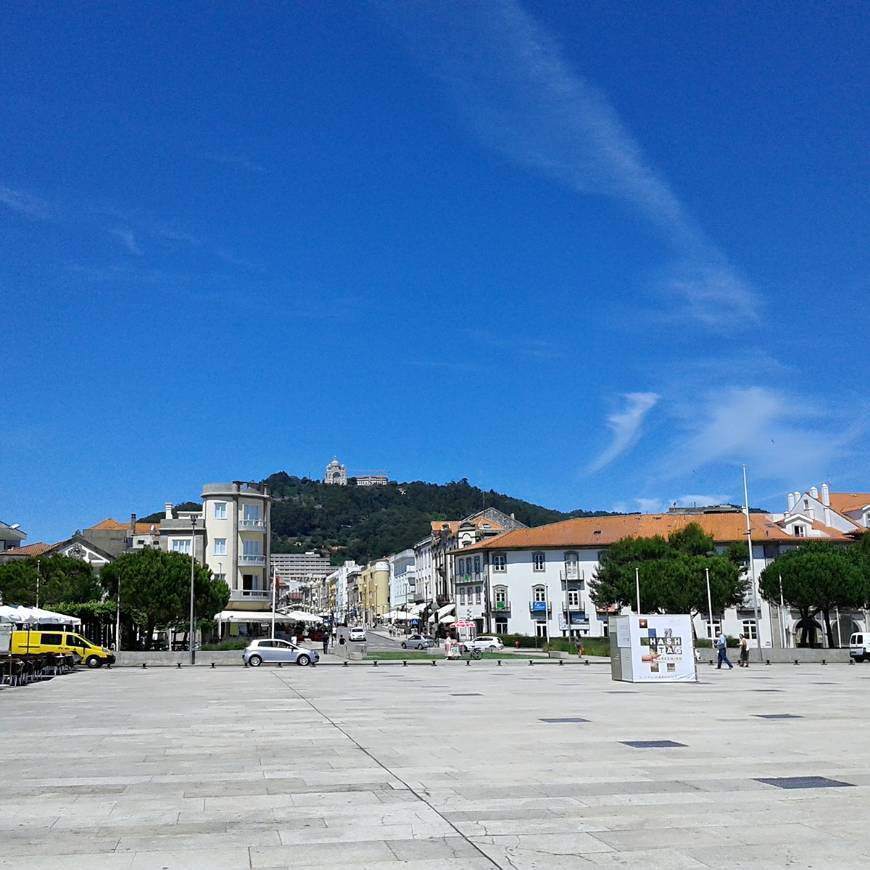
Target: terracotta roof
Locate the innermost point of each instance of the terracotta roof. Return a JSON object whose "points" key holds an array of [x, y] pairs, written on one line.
{"points": [[843, 502], [36, 549], [603, 531], [480, 522], [110, 525]]}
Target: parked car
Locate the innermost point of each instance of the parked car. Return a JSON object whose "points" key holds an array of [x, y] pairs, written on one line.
{"points": [[259, 651], [358, 634], [859, 647], [485, 643], [417, 641], [61, 641]]}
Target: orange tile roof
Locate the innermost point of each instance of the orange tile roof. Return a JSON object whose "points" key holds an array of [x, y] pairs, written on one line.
{"points": [[603, 531], [110, 525], [843, 502], [35, 549], [480, 522]]}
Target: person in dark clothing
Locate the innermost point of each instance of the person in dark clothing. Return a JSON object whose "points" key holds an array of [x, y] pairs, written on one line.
{"points": [[325, 642]]}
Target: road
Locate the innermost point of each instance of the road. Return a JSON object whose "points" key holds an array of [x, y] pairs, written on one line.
{"points": [[379, 642]]}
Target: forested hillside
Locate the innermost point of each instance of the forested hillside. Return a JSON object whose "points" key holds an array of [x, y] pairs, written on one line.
{"points": [[362, 523]]}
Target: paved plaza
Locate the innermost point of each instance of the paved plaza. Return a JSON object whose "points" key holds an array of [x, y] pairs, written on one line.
{"points": [[480, 767]]}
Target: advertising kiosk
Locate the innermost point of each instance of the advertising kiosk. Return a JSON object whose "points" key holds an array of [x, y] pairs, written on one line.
{"points": [[653, 648]]}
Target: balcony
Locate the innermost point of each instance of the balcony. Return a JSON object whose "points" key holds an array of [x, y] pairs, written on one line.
{"points": [[252, 525], [250, 595], [252, 559], [538, 607], [501, 607]]}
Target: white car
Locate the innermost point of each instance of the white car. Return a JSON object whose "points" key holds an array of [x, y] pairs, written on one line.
{"points": [[486, 643], [259, 651], [358, 634], [859, 647]]}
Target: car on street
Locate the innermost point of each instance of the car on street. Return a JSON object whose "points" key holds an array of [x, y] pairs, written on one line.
{"points": [[358, 634], [258, 652], [859, 647], [486, 643], [417, 641]]}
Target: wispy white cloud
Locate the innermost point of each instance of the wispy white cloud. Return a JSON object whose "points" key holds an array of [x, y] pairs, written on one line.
{"points": [[128, 240], [27, 204], [521, 97], [781, 436], [625, 427]]}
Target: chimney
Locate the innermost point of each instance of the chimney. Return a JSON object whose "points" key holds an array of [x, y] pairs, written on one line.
{"points": [[132, 524], [791, 502], [814, 492], [826, 495], [167, 507]]}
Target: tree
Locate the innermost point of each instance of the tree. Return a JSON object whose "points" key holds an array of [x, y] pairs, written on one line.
{"points": [[60, 579], [672, 574], [155, 586], [817, 577]]}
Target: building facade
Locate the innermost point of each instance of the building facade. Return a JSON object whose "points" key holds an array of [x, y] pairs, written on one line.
{"points": [[403, 573], [336, 473], [374, 591], [536, 582]]}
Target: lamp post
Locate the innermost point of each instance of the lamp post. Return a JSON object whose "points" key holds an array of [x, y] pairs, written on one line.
{"points": [[118, 618], [637, 587], [37, 582], [192, 629], [709, 607], [752, 568]]}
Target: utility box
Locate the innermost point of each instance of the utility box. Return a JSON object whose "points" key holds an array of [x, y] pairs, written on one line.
{"points": [[655, 648]]}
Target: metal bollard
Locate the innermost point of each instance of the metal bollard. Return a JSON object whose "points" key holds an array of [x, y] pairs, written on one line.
{"points": [[768, 662], [280, 664], [797, 661], [375, 662], [344, 663], [404, 663], [212, 665], [586, 663], [824, 662], [851, 661], [434, 663], [530, 662], [561, 662], [178, 665], [498, 662], [467, 662], [144, 664]]}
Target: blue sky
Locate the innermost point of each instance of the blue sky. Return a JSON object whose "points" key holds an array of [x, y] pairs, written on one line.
{"points": [[594, 255]]}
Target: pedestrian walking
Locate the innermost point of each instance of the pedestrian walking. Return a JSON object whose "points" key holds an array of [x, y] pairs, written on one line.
{"points": [[325, 643], [744, 651], [722, 647]]}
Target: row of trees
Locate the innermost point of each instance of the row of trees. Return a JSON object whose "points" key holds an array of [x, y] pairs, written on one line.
{"points": [[815, 579], [154, 586]]}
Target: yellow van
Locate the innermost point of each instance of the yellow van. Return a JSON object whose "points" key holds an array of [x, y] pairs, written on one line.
{"points": [[60, 641]]}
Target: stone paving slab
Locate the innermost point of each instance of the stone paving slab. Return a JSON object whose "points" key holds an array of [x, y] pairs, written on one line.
{"points": [[388, 768]]}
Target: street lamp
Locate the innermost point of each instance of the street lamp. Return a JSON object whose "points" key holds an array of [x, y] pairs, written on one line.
{"points": [[709, 607], [191, 630]]}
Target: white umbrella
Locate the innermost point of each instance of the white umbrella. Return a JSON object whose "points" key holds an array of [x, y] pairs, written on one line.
{"points": [[299, 616], [49, 617], [446, 620], [15, 615]]}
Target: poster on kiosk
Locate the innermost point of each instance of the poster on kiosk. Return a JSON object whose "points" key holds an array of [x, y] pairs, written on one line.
{"points": [[654, 648]]}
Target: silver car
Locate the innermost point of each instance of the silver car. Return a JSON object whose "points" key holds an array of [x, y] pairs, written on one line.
{"points": [[259, 651]]}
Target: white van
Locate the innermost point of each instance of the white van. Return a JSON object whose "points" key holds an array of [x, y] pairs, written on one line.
{"points": [[859, 647]]}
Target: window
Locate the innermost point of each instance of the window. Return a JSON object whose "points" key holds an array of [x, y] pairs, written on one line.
{"points": [[500, 595], [462, 567], [716, 628], [501, 625], [252, 548], [749, 628], [251, 512], [571, 569], [573, 598], [462, 596], [181, 545], [247, 581], [800, 531], [538, 561], [220, 546], [499, 562], [220, 510], [539, 594], [52, 639], [477, 594], [477, 566], [221, 577]]}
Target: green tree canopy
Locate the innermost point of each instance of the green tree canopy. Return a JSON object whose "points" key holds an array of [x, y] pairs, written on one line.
{"points": [[817, 577], [155, 586], [672, 574], [60, 579]]}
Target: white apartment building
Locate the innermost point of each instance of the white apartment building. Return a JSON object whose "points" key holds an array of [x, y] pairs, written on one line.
{"points": [[339, 580], [230, 535], [403, 573], [535, 581]]}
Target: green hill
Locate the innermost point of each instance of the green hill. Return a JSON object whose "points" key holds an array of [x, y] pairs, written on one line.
{"points": [[363, 523]]}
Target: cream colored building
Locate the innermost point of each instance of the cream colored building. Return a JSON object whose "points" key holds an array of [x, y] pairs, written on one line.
{"points": [[374, 590]]}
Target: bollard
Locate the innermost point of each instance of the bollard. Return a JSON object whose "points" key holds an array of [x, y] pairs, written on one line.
{"points": [[586, 663], [498, 662], [375, 662], [561, 662], [433, 663], [824, 662], [530, 662], [768, 662], [178, 664], [280, 664], [144, 664], [212, 665], [404, 663], [851, 661], [109, 666], [797, 661], [344, 663], [467, 662]]}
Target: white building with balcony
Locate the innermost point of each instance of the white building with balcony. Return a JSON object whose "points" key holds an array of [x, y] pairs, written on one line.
{"points": [[536, 582]]}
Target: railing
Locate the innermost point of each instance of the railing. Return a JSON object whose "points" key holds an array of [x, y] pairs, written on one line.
{"points": [[257, 594], [255, 525], [252, 559], [501, 606], [540, 606]]}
